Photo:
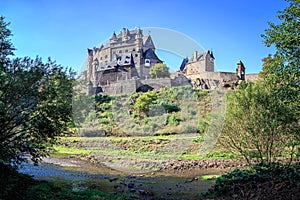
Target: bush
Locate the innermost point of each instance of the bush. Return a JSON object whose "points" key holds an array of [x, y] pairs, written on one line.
{"points": [[104, 121], [172, 120], [91, 132], [265, 181], [171, 108]]}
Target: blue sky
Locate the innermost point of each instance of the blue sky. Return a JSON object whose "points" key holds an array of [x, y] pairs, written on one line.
{"points": [[64, 29]]}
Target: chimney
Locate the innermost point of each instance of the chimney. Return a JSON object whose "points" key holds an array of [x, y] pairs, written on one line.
{"points": [[195, 55], [123, 33]]}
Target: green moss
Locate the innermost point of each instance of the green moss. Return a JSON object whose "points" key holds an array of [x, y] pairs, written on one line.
{"points": [[209, 177], [70, 151]]}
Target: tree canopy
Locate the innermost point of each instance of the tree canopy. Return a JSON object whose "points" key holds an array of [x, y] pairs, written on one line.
{"points": [[159, 71], [35, 103], [262, 119]]}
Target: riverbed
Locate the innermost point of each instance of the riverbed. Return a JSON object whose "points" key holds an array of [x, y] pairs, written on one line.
{"points": [[146, 185]]}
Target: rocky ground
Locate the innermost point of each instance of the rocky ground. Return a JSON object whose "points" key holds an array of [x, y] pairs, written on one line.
{"points": [[167, 183], [140, 166]]}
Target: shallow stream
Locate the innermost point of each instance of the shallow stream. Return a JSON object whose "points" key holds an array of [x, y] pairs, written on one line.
{"points": [[149, 185]]}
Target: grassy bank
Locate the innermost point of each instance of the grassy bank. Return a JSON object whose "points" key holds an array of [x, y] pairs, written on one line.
{"points": [[183, 146]]}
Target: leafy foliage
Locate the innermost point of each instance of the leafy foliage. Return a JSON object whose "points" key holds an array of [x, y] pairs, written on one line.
{"points": [[286, 35], [35, 103], [159, 71], [172, 120], [204, 123], [6, 47], [262, 119], [260, 181], [36, 106], [144, 102], [258, 125], [282, 72]]}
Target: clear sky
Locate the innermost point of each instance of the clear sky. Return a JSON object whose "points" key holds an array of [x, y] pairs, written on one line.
{"points": [[64, 29]]}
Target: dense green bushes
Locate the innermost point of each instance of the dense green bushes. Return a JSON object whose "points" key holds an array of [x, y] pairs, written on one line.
{"points": [[168, 111], [265, 181]]}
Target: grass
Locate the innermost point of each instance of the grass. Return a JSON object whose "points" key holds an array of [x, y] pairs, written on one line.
{"points": [[220, 154], [190, 157], [209, 177], [71, 151], [140, 147]]}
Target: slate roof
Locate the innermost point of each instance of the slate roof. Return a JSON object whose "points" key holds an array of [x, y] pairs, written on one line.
{"points": [[150, 54], [182, 66], [124, 60]]}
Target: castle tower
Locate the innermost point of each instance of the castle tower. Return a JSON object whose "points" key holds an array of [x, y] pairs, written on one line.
{"points": [[210, 62], [127, 55], [240, 70], [89, 63]]}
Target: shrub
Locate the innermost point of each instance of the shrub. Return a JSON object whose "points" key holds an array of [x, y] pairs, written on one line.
{"points": [[172, 120], [264, 181]]}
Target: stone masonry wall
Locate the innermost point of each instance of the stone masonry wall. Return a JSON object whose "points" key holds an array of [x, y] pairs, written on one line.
{"points": [[121, 87]]}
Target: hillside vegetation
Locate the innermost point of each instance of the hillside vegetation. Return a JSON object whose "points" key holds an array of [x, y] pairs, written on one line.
{"points": [[169, 111]]}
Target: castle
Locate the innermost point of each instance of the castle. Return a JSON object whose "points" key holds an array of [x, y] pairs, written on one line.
{"points": [[127, 55], [122, 66]]}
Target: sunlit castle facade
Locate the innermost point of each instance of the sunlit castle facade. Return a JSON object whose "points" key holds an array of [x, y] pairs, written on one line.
{"points": [[122, 66], [127, 55]]}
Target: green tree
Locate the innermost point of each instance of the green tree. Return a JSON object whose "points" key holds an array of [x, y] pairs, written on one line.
{"points": [[160, 71], [262, 120], [6, 47], [35, 103], [258, 125], [282, 72], [144, 102]]}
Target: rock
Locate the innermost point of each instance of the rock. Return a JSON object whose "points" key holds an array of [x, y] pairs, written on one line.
{"points": [[132, 190], [142, 192], [113, 179]]}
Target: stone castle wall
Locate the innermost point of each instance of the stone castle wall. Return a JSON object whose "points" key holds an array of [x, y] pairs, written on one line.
{"points": [[251, 77], [121, 87], [156, 83], [222, 76], [131, 86]]}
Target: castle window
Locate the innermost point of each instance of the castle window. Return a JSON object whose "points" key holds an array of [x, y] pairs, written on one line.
{"points": [[127, 59], [126, 50], [136, 55], [120, 51], [100, 58], [105, 56], [133, 49], [147, 62], [119, 61]]}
